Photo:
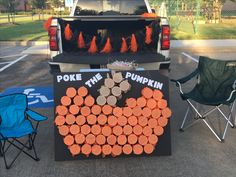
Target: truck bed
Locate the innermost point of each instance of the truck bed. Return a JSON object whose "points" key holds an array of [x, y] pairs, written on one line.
{"points": [[103, 59]]}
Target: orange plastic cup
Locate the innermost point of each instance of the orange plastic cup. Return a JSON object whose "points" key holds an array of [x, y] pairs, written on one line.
{"points": [[156, 113], [138, 130], [63, 130], [85, 129], [127, 149], [96, 109], [100, 139], [132, 120], [74, 129], [91, 119], [85, 110], [162, 104], [117, 130], [148, 148], [117, 111], [127, 129], [102, 119], [152, 123], [132, 139], [61, 110], [96, 129], [143, 121], [106, 149], [65, 100], [138, 149], [158, 130], [90, 139], [111, 139], [74, 109], [82, 91], [60, 120], [71, 92], [89, 101], [166, 112], [107, 109], [70, 119], [141, 102], [127, 111], [78, 100], [122, 120], [147, 92], [151, 103], [131, 102], [74, 149], [137, 111], [157, 95], [80, 120], [112, 121], [152, 139], [116, 150], [122, 140], [147, 131], [162, 121], [69, 140], [146, 112], [96, 150], [86, 149], [143, 140], [80, 138], [106, 130]]}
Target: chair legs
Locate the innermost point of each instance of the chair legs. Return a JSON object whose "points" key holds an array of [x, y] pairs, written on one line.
{"points": [[229, 119], [21, 148]]}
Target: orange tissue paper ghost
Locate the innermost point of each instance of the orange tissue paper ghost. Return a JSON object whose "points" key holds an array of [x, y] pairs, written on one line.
{"points": [[93, 47], [134, 45], [107, 48], [124, 47], [81, 43], [68, 32]]}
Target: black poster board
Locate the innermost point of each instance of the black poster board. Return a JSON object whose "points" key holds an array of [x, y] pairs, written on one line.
{"points": [[153, 79]]}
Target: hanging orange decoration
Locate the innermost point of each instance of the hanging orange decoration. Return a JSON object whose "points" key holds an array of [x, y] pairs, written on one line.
{"points": [[124, 47], [81, 43], [47, 23], [93, 47], [148, 38], [134, 45], [107, 48], [68, 32], [149, 15]]}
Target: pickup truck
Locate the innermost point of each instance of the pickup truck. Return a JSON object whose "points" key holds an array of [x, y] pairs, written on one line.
{"points": [[113, 24]]}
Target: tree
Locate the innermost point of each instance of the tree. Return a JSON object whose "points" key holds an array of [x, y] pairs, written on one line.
{"points": [[39, 5], [10, 6]]}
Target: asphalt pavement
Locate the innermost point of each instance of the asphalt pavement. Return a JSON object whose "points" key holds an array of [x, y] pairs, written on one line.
{"points": [[195, 152]]}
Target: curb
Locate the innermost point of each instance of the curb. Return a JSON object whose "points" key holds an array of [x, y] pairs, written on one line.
{"points": [[23, 43], [203, 43]]}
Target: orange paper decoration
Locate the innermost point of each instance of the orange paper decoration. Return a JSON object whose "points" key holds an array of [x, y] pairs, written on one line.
{"points": [[149, 15], [93, 47], [124, 47], [81, 43], [47, 23], [134, 46], [68, 32], [107, 48], [148, 38]]}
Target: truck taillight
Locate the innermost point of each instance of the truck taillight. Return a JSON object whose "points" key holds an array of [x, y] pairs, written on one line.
{"points": [[52, 32], [165, 37]]}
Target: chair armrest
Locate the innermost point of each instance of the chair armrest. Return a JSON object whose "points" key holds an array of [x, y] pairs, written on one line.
{"points": [[35, 116], [186, 78]]}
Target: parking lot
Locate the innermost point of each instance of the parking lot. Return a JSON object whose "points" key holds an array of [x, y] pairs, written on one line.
{"points": [[196, 152]]}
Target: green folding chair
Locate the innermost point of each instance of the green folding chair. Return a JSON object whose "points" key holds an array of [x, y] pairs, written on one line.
{"points": [[215, 87]]}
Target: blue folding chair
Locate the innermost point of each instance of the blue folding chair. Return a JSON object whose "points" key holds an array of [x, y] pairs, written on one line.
{"points": [[15, 123]]}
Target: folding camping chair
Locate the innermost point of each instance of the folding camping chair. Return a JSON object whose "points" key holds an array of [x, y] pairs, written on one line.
{"points": [[215, 86], [15, 124]]}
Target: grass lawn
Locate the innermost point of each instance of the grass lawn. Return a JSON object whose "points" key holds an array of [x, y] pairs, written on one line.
{"points": [[27, 31], [224, 30]]}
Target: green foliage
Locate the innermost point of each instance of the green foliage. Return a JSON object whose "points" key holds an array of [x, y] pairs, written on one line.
{"points": [[37, 4]]}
